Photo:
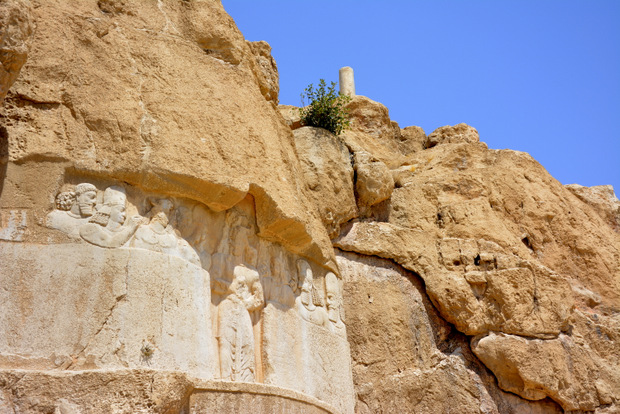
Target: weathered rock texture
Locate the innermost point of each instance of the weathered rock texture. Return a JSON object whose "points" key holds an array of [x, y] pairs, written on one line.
{"points": [[16, 29], [511, 258], [167, 240], [172, 111]]}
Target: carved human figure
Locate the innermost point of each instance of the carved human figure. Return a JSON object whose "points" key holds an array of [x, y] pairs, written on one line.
{"points": [[335, 308], [73, 208], [158, 235], [282, 292], [107, 228], [309, 303], [85, 200], [235, 332]]}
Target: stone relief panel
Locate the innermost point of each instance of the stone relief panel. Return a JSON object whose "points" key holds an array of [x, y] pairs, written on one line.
{"points": [[73, 209], [235, 331], [107, 227], [310, 303], [13, 225], [262, 300]]}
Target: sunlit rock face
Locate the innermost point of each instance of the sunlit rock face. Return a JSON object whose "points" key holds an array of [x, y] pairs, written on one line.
{"points": [[171, 241]]}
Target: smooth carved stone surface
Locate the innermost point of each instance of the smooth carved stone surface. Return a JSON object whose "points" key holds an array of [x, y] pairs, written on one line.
{"points": [[328, 175], [303, 352], [103, 308], [235, 333], [251, 398], [130, 391], [16, 27], [123, 391]]}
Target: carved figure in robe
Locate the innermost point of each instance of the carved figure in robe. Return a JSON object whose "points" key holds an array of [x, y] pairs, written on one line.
{"points": [[159, 235], [107, 228], [235, 332], [335, 307], [309, 303], [73, 208], [280, 292]]}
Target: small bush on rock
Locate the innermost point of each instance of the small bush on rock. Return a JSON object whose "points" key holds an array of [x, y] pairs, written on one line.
{"points": [[326, 108]]}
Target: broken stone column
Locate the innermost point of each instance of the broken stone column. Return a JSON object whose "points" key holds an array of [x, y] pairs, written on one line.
{"points": [[347, 84]]}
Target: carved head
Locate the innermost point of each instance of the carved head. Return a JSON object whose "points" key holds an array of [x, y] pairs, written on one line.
{"points": [[117, 214], [65, 200], [86, 198], [334, 297], [310, 295], [114, 195], [114, 200], [305, 277], [246, 286]]}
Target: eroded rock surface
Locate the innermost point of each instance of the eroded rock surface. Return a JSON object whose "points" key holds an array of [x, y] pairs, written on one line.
{"points": [[406, 358], [505, 251], [326, 165], [16, 27], [168, 239], [183, 108]]}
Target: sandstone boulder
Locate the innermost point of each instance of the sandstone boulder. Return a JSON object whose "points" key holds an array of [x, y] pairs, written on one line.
{"points": [[412, 139]]}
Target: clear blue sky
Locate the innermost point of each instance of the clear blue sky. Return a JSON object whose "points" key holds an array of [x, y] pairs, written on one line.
{"points": [[540, 76]]}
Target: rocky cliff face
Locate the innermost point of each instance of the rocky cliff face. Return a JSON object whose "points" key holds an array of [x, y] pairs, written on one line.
{"points": [[173, 241]]}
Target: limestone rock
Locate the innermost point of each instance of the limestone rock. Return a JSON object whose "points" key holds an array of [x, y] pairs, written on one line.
{"points": [[452, 135], [265, 70], [602, 198], [328, 175], [565, 369], [496, 241], [369, 117], [373, 180], [168, 239], [97, 392], [373, 131], [405, 358], [291, 116], [167, 115], [412, 138], [16, 27]]}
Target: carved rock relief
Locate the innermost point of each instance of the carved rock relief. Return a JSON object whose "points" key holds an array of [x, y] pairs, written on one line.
{"points": [[246, 272]]}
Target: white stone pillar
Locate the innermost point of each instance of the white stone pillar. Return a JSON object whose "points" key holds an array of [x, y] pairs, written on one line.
{"points": [[347, 84]]}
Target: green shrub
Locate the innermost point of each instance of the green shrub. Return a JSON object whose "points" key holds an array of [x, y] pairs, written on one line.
{"points": [[326, 108]]}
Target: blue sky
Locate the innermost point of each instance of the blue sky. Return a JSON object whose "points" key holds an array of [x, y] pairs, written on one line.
{"points": [[536, 76]]}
